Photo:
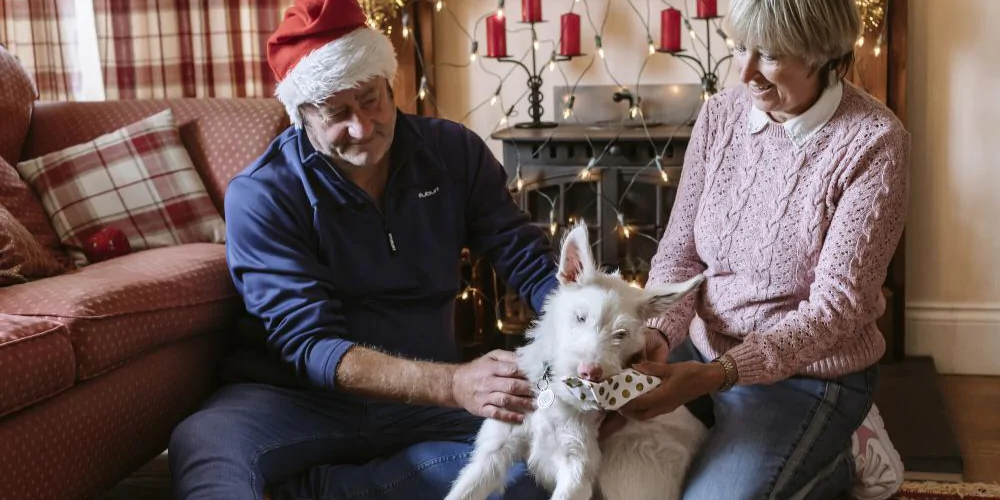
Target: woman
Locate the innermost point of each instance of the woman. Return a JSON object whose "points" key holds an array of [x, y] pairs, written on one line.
{"points": [[792, 201]]}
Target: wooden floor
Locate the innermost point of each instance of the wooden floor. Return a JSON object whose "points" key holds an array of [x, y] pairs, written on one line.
{"points": [[973, 408]]}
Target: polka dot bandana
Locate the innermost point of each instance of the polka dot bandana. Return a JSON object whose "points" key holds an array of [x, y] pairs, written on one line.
{"points": [[612, 393]]}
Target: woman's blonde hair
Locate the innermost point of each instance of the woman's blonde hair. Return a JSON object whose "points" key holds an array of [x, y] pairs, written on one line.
{"points": [[822, 32]]}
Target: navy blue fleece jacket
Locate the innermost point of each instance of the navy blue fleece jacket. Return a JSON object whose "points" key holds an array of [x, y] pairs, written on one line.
{"points": [[323, 268]]}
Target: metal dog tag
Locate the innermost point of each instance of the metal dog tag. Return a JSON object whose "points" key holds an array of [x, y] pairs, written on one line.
{"points": [[546, 398]]}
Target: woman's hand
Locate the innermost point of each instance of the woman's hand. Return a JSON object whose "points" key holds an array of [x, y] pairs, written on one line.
{"points": [[680, 383], [656, 352]]}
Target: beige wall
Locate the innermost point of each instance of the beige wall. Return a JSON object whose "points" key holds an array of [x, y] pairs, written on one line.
{"points": [[953, 239], [953, 247], [459, 90]]}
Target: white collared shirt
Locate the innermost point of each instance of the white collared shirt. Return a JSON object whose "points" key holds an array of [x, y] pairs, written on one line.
{"points": [[801, 127]]}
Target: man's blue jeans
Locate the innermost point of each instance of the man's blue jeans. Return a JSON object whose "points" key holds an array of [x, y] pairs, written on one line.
{"points": [[787, 440], [303, 444]]}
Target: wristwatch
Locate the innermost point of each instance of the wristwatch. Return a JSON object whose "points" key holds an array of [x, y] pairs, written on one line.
{"points": [[729, 367]]}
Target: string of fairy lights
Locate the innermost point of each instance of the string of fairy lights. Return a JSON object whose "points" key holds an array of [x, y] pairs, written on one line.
{"points": [[697, 46]]}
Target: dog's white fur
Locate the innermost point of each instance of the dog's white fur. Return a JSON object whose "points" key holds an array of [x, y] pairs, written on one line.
{"points": [[644, 460]]}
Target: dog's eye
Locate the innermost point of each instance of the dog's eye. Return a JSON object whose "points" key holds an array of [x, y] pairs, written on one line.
{"points": [[581, 317], [619, 334]]}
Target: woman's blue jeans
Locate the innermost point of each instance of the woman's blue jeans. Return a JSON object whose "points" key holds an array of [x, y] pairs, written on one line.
{"points": [[788, 440], [303, 444]]}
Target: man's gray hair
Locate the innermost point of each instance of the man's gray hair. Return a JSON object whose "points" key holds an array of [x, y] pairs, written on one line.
{"points": [[822, 32]]}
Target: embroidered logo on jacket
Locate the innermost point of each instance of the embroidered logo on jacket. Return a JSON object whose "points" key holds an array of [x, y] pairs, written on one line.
{"points": [[432, 192]]}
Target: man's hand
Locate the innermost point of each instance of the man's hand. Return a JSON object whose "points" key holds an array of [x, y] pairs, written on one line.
{"points": [[492, 387], [681, 383]]}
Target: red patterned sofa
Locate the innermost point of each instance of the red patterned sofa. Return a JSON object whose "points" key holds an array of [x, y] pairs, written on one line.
{"points": [[98, 364]]}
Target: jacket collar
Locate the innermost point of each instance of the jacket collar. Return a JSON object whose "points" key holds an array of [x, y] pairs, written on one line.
{"points": [[802, 127]]}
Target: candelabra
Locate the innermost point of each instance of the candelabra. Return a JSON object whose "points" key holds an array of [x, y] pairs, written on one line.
{"points": [[497, 50], [708, 71]]}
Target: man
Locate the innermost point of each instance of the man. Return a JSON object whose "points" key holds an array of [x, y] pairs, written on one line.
{"points": [[344, 241]]}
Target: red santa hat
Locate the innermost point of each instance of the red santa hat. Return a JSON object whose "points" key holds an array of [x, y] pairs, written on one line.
{"points": [[322, 47]]}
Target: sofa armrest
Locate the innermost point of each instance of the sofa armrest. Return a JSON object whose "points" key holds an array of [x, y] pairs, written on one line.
{"points": [[222, 135]]}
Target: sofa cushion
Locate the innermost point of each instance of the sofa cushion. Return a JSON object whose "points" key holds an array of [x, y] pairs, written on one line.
{"points": [[17, 93], [121, 308], [22, 203], [36, 361], [138, 179], [21, 257]]}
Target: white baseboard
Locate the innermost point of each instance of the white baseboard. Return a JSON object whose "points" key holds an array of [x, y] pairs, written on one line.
{"points": [[963, 338]]}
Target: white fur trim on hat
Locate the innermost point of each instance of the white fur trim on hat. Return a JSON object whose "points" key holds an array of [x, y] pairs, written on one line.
{"points": [[341, 64]]}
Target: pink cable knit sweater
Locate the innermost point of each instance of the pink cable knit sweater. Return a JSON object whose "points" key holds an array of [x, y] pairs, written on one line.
{"points": [[794, 242]]}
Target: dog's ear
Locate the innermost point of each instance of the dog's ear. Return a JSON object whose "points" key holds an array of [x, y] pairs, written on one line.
{"points": [[576, 260], [660, 298]]}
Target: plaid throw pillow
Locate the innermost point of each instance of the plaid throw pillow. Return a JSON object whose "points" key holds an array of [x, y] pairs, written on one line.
{"points": [[138, 179]]}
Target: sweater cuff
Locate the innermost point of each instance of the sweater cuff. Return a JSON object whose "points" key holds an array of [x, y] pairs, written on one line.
{"points": [[751, 364], [327, 355], [660, 324]]}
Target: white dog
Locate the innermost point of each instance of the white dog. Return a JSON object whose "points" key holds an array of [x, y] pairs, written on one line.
{"points": [[590, 328]]}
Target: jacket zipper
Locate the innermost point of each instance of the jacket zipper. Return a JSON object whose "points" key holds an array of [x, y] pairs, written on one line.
{"points": [[389, 238]]}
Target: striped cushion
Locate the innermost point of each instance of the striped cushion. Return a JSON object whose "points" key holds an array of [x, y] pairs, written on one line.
{"points": [[139, 179]]}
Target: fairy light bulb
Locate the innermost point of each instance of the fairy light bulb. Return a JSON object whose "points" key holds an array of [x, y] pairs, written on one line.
{"points": [[652, 46], [878, 45], [519, 183], [635, 284], [499, 324], [422, 94], [691, 32], [568, 110], [475, 49], [439, 5], [500, 13], [861, 41], [659, 167], [503, 121], [406, 32], [585, 173], [600, 48], [465, 294], [633, 111]]}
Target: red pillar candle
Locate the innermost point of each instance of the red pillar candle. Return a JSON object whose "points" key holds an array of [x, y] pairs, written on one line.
{"points": [[707, 8], [531, 11], [670, 30], [496, 36], [569, 44]]}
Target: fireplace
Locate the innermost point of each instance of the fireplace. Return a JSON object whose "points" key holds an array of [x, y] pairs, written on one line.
{"points": [[617, 176]]}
